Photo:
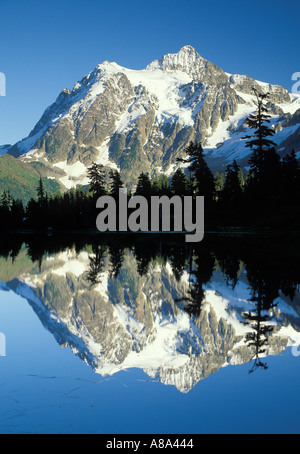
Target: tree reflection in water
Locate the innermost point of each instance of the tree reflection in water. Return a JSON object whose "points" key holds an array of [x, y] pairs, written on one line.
{"points": [[269, 266]]}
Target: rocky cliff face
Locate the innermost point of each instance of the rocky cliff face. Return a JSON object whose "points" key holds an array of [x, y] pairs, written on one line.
{"points": [[142, 120], [136, 321]]}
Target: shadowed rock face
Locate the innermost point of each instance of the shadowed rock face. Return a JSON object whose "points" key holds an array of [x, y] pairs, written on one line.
{"points": [[142, 120], [141, 320]]}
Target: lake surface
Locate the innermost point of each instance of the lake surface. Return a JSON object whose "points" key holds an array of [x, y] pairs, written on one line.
{"points": [[148, 334]]}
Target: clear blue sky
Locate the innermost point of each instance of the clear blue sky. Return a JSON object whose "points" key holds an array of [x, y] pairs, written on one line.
{"points": [[47, 46]]}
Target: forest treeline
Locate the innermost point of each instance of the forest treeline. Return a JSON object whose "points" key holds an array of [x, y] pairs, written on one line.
{"points": [[267, 195]]}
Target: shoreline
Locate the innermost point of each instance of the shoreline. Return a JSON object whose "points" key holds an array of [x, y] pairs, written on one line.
{"points": [[231, 231]]}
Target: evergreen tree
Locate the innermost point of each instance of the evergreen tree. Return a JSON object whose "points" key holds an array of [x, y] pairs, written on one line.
{"points": [[5, 210], [116, 183], [219, 183], [96, 264], [257, 121], [200, 272], [41, 193], [202, 176], [179, 183], [259, 142], [144, 187], [178, 259], [6, 200], [116, 257], [232, 189], [96, 174], [160, 185]]}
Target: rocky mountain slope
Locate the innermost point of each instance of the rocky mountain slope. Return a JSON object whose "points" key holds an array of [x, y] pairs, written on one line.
{"points": [[134, 321], [142, 120]]}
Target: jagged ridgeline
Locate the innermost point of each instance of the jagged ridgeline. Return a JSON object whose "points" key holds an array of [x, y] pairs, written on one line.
{"points": [[143, 120]]}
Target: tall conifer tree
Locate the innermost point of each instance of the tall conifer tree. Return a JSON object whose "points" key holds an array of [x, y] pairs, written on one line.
{"points": [[202, 176], [259, 142]]}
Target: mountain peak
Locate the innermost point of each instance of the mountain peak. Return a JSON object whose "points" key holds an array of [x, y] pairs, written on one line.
{"points": [[189, 50], [190, 62], [183, 60]]}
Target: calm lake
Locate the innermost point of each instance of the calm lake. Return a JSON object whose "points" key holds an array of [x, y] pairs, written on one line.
{"points": [[149, 334]]}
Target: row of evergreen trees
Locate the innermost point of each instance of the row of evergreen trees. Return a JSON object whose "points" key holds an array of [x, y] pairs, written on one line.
{"points": [[270, 182]]}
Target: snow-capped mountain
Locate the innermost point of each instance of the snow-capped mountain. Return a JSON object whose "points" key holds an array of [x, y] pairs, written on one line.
{"points": [[133, 321], [142, 120]]}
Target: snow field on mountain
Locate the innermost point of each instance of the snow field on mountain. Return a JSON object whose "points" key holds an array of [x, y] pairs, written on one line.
{"points": [[165, 87], [229, 143]]}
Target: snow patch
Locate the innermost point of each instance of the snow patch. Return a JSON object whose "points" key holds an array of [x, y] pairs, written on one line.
{"points": [[103, 156], [76, 174], [72, 263]]}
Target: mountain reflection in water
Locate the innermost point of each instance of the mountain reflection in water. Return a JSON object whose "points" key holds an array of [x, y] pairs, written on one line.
{"points": [[178, 311]]}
